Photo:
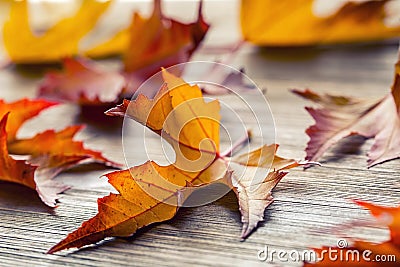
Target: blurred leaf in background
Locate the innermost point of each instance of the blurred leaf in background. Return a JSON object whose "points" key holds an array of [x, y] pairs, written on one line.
{"points": [[294, 22], [61, 40]]}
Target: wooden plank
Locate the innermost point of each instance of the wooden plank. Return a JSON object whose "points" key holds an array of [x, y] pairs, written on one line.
{"points": [[307, 202]]}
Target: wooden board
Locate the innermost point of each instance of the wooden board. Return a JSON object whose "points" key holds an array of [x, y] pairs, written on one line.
{"points": [[307, 202]]}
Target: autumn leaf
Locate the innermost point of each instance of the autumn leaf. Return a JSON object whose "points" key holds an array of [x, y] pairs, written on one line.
{"points": [[293, 23], [26, 174], [48, 142], [156, 42], [154, 114], [161, 42], [253, 189], [370, 254], [341, 116], [21, 111], [151, 40], [62, 143], [116, 45], [17, 171], [82, 82], [151, 193], [60, 41], [147, 45], [134, 207], [49, 152]]}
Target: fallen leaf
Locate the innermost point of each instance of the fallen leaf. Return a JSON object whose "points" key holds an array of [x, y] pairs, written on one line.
{"points": [[58, 144], [254, 187], [153, 43], [60, 41], [115, 46], [48, 167], [154, 114], [50, 152], [150, 193], [22, 110], [134, 206], [293, 23], [147, 45], [158, 35], [369, 254], [49, 142], [17, 171], [24, 173], [388, 216], [344, 116], [82, 82]]}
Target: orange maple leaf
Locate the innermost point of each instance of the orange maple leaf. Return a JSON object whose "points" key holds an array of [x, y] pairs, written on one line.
{"points": [[53, 144], [22, 110], [161, 42], [369, 254], [17, 171], [27, 174], [293, 23], [49, 152], [151, 193], [154, 42]]}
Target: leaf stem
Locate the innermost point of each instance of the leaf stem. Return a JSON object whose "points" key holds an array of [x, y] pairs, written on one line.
{"points": [[239, 143]]}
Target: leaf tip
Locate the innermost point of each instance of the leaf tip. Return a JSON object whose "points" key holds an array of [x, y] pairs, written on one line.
{"points": [[54, 249], [246, 233], [308, 164]]}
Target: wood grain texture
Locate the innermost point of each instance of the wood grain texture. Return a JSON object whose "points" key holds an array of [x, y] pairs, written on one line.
{"points": [[307, 203]]}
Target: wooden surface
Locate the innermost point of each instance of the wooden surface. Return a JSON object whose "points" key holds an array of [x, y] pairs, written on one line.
{"points": [[307, 203]]}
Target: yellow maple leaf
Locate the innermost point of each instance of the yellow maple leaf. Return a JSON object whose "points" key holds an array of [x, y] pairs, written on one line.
{"points": [[293, 23], [61, 40]]}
